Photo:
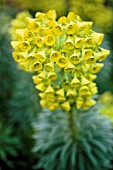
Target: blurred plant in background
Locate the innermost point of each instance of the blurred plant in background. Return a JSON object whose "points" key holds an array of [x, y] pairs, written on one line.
{"points": [[41, 5], [106, 99], [94, 10], [18, 22]]}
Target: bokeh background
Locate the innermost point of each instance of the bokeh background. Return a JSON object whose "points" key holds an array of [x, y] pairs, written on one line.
{"points": [[19, 102]]}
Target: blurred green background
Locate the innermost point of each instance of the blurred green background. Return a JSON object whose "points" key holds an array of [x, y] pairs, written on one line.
{"points": [[19, 102]]}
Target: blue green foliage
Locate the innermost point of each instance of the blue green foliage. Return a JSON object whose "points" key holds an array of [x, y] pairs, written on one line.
{"points": [[73, 141]]}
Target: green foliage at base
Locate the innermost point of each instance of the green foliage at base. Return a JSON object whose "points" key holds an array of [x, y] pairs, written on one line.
{"points": [[73, 141], [9, 144]]}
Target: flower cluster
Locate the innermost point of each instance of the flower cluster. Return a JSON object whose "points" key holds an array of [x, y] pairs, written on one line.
{"points": [[106, 99], [18, 23], [65, 55]]}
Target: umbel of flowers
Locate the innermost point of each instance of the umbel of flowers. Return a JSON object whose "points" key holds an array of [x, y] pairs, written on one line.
{"points": [[65, 54]]}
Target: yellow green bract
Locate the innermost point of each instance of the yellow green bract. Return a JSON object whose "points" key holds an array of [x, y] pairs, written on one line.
{"points": [[65, 55], [107, 100]]}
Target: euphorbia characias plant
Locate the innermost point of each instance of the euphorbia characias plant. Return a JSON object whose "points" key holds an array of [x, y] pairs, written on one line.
{"points": [[65, 54]]}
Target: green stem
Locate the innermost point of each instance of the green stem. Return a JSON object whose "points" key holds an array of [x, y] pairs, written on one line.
{"points": [[71, 123]]}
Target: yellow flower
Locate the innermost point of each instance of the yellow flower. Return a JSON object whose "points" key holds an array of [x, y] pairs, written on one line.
{"points": [[52, 76], [66, 106], [29, 35], [31, 57], [48, 31], [43, 103], [91, 60], [89, 42], [49, 90], [84, 81], [98, 37], [75, 58], [96, 67], [43, 74], [66, 85], [70, 67], [85, 67], [83, 90], [55, 55], [51, 14], [92, 77], [18, 57], [79, 42], [49, 66], [57, 29], [39, 16], [37, 79], [71, 93], [15, 45], [103, 54], [49, 40], [49, 96], [38, 40], [60, 92], [88, 103], [63, 20], [86, 54], [79, 102], [51, 24], [62, 62], [61, 99], [93, 88], [69, 44], [72, 28], [20, 34], [24, 66], [71, 16], [34, 26], [83, 24], [40, 56], [36, 66], [24, 46], [40, 86], [75, 82]]}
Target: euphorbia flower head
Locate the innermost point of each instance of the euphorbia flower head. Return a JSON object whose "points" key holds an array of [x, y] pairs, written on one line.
{"points": [[65, 55]]}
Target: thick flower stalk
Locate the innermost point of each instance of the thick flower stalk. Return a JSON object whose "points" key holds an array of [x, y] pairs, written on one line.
{"points": [[106, 99], [65, 55]]}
